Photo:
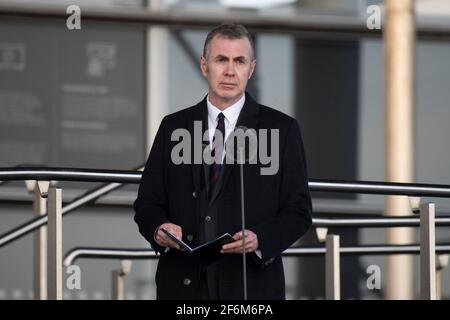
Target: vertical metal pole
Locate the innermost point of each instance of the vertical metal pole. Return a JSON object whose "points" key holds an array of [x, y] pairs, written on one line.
{"points": [[438, 285], [117, 285], [157, 81], [40, 248], [54, 248], [399, 46], [118, 279], [332, 268], [157, 74], [427, 252], [441, 263], [244, 261]]}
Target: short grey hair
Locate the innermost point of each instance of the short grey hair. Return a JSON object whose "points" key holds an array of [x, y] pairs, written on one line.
{"points": [[229, 31]]}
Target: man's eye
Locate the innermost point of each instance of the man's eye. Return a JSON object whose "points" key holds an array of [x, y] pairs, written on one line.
{"points": [[241, 61]]}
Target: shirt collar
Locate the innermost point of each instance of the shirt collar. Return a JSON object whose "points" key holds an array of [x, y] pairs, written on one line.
{"points": [[231, 113]]}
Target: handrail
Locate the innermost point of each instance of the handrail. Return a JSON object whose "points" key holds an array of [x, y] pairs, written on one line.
{"points": [[33, 224], [115, 253], [298, 23], [70, 174], [377, 187], [130, 176], [405, 221], [107, 253], [125, 176]]}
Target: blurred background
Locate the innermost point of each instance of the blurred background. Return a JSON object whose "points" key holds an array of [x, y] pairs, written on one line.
{"points": [[94, 98]]}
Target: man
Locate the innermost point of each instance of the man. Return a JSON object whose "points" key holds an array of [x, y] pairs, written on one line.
{"points": [[198, 202]]}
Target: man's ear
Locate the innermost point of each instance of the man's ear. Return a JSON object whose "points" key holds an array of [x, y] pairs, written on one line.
{"points": [[252, 68], [203, 66]]}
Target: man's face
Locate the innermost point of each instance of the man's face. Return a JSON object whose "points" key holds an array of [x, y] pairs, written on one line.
{"points": [[227, 68]]}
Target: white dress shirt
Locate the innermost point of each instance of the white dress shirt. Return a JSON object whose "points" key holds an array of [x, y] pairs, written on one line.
{"points": [[231, 116]]}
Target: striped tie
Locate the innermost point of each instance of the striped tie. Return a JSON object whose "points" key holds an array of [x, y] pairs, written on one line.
{"points": [[217, 151]]}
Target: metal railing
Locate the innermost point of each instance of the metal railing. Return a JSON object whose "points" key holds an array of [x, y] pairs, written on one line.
{"points": [[143, 254], [126, 255], [131, 176], [119, 177], [70, 174]]}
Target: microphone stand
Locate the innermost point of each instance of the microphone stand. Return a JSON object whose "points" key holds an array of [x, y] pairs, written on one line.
{"points": [[244, 262]]}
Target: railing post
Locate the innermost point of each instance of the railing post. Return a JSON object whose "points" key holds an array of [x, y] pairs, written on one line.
{"points": [[118, 278], [40, 241], [54, 245], [441, 264], [427, 252], [332, 268]]}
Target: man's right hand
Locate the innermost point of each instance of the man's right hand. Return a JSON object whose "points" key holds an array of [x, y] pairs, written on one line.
{"points": [[163, 240]]}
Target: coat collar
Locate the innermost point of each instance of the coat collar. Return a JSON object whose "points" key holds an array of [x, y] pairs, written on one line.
{"points": [[246, 118]]}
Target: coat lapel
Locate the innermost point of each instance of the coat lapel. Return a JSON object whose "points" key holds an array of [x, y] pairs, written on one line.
{"points": [[200, 113]]}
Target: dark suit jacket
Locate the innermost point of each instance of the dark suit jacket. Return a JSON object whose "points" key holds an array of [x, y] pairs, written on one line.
{"points": [[277, 207]]}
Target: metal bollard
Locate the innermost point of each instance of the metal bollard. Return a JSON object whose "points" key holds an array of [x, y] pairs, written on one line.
{"points": [[39, 241], [54, 244], [118, 277], [427, 252], [441, 263], [332, 268]]}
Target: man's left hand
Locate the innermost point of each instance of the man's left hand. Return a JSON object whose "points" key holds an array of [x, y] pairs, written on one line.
{"points": [[251, 243]]}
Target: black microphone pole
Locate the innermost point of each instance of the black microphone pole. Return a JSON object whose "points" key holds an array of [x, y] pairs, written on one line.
{"points": [[244, 262]]}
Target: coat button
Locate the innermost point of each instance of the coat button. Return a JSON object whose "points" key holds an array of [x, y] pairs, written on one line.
{"points": [[190, 237], [194, 194], [187, 281], [207, 218]]}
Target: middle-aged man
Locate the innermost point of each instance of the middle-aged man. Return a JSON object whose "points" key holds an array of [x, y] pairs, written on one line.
{"points": [[199, 201]]}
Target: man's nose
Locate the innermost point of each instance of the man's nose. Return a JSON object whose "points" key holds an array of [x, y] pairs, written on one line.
{"points": [[229, 71]]}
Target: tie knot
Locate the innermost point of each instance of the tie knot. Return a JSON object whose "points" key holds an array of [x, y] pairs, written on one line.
{"points": [[220, 117]]}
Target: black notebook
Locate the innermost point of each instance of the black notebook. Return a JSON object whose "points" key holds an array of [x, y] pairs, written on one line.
{"points": [[207, 252]]}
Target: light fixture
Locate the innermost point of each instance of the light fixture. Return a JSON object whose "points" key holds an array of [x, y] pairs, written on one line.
{"points": [[254, 4]]}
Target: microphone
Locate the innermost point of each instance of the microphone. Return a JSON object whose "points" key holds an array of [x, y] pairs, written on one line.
{"points": [[241, 139]]}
